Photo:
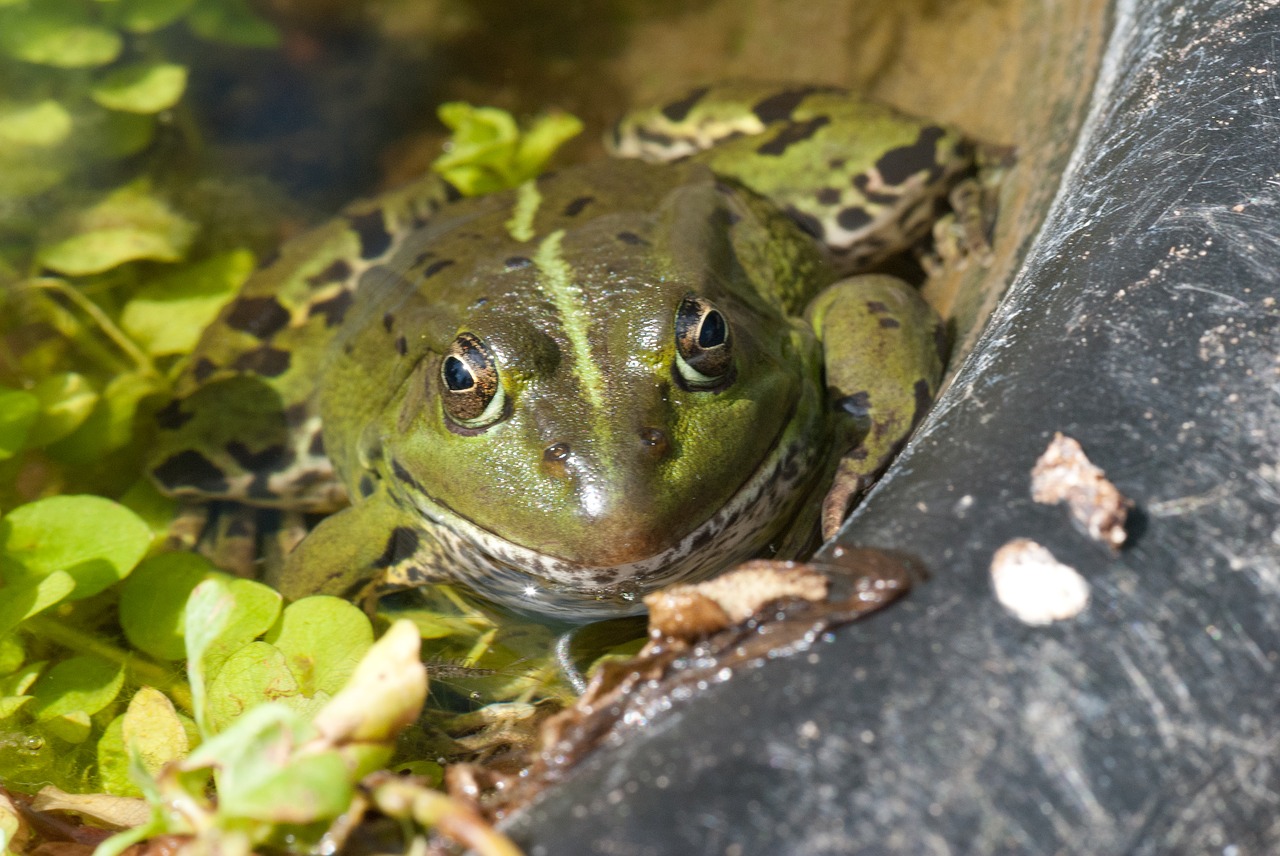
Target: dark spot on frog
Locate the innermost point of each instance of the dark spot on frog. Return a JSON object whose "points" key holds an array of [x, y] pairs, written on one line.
{"points": [[703, 537], [778, 107], [337, 271], [876, 307], [334, 309], [405, 476], [836, 163], [238, 527], [574, 208], [676, 111], [260, 317], [860, 183], [190, 469], [170, 417], [603, 578], [402, 345], [295, 414], [807, 222], [858, 454], [857, 405], [421, 258], [388, 321], [790, 469], [270, 458], [260, 487], [435, 268], [371, 229], [516, 262], [266, 361], [897, 165], [402, 544], [923, 399], [829, 196], [853, 218], [890, 323], [366, 485], [632, 238], [203, 369], [792, 134]]}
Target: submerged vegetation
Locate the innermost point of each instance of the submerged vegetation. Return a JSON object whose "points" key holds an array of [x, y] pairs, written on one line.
{"points": [[119, 243]]}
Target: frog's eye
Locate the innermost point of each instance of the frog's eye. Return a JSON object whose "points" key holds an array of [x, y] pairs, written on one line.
{"points": [[704, 346], [470, 387]]}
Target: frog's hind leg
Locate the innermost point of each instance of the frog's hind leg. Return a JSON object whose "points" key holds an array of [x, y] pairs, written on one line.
{"points": [[862, 178], [884, 349]]}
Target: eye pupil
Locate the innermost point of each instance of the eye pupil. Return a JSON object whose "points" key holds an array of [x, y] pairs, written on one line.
{"points": [[713, 331], [456, 374]]}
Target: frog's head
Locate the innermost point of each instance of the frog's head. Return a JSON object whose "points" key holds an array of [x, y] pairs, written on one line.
{"points": [[614, 401]]}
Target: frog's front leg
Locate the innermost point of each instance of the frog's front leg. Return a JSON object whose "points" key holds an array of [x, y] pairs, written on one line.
{"points": [[361, 552], [883, 347]]}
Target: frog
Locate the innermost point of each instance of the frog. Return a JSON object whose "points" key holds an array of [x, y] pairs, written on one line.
{"points": [[620, 375]]}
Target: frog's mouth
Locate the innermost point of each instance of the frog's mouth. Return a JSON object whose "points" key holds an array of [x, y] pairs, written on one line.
{"points": [[534, 582]]}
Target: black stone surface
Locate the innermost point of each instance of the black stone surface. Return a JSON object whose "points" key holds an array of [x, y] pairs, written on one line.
{"points": [[1144, 323]]}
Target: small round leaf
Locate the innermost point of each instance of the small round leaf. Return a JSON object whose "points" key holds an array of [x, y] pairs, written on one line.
{"points": [[94, 540], [142, 88]]}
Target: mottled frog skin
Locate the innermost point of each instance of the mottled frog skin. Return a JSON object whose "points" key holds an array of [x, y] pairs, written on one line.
{"points": [[618, 376]]}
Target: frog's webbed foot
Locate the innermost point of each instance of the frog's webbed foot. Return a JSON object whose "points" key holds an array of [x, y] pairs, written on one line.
{"points": [[883, 348]]}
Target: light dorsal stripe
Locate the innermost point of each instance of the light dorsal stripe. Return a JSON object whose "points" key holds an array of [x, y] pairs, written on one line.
{"points": [[570, 302], [528, 200]]}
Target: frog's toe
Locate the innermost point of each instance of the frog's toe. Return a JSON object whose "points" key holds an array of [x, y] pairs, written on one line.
{"points": [[850, 481]]}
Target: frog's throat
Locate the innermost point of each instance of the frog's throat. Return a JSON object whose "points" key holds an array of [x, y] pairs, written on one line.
{"points": [[529, 581]]}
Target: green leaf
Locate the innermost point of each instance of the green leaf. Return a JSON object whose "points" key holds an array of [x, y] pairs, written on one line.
{"points": [[79, 685], [153, 602], [322, 640], [222, 617], [152, 729], [23, 600], [128, 224], [311, 788], [487, 152], [142, 88], [18, 412], [56, 34], [233, 22], [252, 676], [42, 124], [263, 777], [73, 727], [12, 654], [169, 313], [110, 424], [147, 16], [97, 541], [156, 509], [66, 400], [9, 705]]}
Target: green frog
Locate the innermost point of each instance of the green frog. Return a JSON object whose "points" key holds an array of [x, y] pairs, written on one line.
{"points": [[611, 378]]}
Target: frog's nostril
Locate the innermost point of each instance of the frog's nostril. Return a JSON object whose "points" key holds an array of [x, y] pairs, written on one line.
{"points": [[655, 441], [556, 453]]}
